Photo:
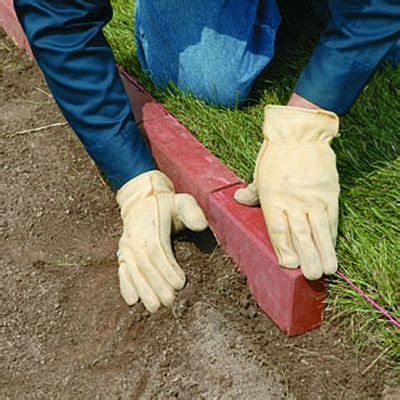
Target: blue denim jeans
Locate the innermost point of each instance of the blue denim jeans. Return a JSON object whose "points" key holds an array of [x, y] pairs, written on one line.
{"points": [[214, 49]]}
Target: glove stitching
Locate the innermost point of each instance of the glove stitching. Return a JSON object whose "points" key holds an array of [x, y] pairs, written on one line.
{"points": [[287, 221]]}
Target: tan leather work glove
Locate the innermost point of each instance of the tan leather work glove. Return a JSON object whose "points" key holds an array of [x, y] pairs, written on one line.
{"points": [[150, 209], [297, 184]]}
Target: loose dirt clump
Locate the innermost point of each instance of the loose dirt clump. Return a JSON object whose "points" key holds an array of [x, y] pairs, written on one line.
{"points": [[67, 334]]}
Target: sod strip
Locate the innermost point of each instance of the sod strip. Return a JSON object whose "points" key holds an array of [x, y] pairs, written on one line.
{"points": [[292, 302]]}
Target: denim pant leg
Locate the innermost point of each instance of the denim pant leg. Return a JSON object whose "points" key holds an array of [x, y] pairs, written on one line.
{"points": [[214, 49], [67, 42], [321, 9]]}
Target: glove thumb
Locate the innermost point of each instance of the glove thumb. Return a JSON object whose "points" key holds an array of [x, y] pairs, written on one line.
{"points": [[248, 195], [188, 214]]}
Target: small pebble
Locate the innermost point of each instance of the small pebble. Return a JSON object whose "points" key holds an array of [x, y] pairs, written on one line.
{"points": [[251, 312]]}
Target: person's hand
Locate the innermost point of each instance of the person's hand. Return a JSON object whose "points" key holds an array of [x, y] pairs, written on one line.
{"points": [[150, 209], [297, 184]]}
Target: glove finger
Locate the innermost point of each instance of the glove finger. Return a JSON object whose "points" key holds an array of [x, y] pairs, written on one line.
{"points": [[280, 237], [127, 287], [155, 277], [166, 263], [322, 235], [333, 217], [145, 291], [310, 262], [248, 196], [161, 249], [189, 213]]}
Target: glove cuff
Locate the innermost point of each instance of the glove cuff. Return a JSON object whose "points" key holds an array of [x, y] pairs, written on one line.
{"points": [[294, 124], [145, 185]]}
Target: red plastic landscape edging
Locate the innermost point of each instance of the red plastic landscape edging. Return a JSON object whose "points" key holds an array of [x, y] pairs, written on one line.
{"points": [[293, 303]]}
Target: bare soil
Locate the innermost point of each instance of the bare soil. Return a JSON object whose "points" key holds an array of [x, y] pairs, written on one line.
{"points": [[66, 332]]}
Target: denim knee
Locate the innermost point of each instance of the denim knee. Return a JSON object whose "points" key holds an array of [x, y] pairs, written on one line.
{"points": [[221, 88], [213, 49]]}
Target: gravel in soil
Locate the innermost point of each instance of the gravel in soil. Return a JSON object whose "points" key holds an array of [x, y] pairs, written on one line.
{"points": [[66, 332]]}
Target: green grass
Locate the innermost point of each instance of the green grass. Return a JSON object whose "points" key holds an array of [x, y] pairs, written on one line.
{"points": [[368, 162]]}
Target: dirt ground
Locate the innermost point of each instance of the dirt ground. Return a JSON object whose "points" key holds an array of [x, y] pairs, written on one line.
{"points": [[66, 332]]}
